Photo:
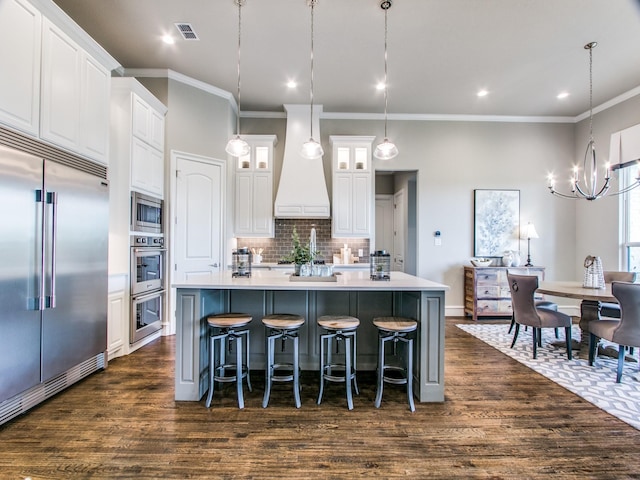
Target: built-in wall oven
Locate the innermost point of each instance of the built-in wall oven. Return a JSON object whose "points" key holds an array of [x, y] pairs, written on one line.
{"points": [[147, 285], [146, 213]]}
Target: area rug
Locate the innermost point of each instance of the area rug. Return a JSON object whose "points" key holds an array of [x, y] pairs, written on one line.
{"points": [[595, 384]]}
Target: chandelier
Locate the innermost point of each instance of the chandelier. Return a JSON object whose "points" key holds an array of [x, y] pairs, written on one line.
{"points": [[311, 149], [387, 149], [237, 147], [588, 187]]}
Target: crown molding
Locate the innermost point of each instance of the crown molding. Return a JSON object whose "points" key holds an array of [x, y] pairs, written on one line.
{"points": [[421, 117], [179, 77]]}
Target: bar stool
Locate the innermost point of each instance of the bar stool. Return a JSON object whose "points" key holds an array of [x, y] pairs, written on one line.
{"points": [[339, 328], [284, 326], [395, 329], [222, 328]]}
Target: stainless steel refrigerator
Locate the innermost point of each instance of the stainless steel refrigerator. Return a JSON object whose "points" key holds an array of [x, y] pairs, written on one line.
{"points": [[53, 270]]}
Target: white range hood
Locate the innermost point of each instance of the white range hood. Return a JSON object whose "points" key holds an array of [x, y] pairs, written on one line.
{"points": [[302, 191]]}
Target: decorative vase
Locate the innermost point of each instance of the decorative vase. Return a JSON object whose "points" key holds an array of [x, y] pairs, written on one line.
{"points": [[507, 258], [516, 259]]}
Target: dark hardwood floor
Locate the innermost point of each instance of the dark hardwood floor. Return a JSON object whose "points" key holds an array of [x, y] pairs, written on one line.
{"points": [[500, 420]]}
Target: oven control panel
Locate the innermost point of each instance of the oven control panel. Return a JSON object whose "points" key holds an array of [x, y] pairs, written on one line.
{"points": [[146, 241]]}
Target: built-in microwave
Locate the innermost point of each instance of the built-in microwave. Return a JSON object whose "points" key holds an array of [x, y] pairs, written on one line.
{"points": [[146, 213]]}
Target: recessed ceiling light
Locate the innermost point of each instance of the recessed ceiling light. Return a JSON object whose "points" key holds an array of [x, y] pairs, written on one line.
{"points": [[292, 84], [168, 39], [562, 95], [380, 86], [483, 93]]}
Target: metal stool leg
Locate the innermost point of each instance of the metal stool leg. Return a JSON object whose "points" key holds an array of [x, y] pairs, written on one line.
{"points": [[212, 368], [322, 354], [412, 406], [296, 371], [268, 370], [380, 386], [353, 362], [239, 371], [347, 371], [245, 334]]}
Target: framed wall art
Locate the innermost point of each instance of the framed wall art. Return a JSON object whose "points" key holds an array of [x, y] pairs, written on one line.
{"points": [[496, 222]]}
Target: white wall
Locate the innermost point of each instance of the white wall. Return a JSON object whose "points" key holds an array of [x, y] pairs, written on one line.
{"points": [[452, 159], [597, 230]]}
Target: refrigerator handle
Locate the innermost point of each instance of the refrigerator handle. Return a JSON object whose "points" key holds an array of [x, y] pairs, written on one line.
{"points": [[52, 198], [38, 302]]}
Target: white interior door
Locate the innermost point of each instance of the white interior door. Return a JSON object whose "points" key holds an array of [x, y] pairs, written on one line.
{"points": [[384, 223], [198, 221], [399, 229]]}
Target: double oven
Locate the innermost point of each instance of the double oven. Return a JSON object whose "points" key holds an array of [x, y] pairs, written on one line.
{"points": [[147, 266]]}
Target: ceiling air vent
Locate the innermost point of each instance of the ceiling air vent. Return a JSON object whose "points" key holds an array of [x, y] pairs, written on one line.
{"points": [[187, 31]]}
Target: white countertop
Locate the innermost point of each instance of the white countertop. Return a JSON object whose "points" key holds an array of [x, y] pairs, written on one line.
{"points": [[263, 279], [336, 266]]}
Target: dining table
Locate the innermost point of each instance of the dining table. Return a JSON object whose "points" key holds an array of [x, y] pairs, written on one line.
{"points": [[590, 306]]}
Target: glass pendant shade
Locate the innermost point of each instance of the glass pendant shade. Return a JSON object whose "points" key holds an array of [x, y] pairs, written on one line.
{"points": [[311, 149], [237, 147], [385, 150]]}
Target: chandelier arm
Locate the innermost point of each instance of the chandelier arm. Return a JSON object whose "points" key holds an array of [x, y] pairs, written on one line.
{"points": [[563, 195]]}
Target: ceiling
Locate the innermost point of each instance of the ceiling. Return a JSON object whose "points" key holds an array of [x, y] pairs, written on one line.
{"points": [[440, 52]]}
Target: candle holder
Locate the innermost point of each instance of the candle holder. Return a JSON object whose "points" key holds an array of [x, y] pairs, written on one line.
{"points": [[241, 262], [380, 265]]}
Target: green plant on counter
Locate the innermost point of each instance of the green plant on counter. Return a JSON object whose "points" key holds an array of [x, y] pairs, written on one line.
{"points": [[300, 254]]}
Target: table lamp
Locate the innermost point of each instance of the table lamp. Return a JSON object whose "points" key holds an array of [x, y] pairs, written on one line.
{"points": [[529, 232]]}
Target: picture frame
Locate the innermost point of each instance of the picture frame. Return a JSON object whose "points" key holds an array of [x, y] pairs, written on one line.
{"points": [[496, 222]]}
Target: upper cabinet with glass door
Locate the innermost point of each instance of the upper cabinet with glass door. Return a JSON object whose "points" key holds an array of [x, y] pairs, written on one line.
{"points": [[352, 154], [260, 156], [254, 188]]}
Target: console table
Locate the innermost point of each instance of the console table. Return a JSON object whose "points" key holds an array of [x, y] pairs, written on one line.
{"points": [[486, 290]]}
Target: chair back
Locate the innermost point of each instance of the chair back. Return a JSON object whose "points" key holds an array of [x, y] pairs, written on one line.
{"points": [[523, 288], [628, 331], [612, 276]]}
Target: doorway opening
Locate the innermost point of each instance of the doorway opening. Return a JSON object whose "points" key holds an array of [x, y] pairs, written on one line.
{"points": [[396, 218]]}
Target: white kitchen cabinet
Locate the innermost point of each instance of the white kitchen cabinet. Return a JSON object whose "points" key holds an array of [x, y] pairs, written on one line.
{"points": [[148, 123], [137, 131], [254, 188], [352, 214], [147, 168], [74, 103], [117, 316], [20, 62]]}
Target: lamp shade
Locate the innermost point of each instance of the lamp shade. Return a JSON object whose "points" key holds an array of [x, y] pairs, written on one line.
{"points": [[311, 149], [385, 150], [237, 147], [529, 231]]}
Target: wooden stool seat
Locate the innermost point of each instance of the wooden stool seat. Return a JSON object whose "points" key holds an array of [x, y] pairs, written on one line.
{"points": [[395, 324], [283, 321], [229, 320], [338, 322], [395, 330]]}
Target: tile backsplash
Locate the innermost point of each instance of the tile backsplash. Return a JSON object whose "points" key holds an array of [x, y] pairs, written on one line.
{"points": [[279, 246]]}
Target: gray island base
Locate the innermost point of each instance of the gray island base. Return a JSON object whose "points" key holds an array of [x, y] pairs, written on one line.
{"points": [[267, 292]]}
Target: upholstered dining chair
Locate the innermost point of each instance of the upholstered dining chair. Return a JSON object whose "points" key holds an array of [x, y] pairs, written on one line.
{"points": [[525, 312], [612, 310], [626, 331]]}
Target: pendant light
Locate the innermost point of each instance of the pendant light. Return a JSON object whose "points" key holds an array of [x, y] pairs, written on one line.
{"points": [[311, 149], [237, 147], [387, 149], [587, 188]]}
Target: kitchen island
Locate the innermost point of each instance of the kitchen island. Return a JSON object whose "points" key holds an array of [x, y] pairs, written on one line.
{"points": [[271, 291]]}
